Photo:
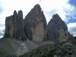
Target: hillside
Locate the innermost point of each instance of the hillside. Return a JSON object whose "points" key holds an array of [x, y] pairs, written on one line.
{"points": [[65, 49]]}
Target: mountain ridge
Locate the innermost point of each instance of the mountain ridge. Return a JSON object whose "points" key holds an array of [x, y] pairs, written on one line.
{"points": [[24, 35]]}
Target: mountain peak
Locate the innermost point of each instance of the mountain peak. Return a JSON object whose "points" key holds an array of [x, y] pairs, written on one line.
{"points": [[15, 12], [37, 7], [35, 25], [56, 16], [57, 29]]}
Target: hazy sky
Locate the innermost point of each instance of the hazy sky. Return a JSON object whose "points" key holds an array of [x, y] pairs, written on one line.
{"points": [[65, 8]]}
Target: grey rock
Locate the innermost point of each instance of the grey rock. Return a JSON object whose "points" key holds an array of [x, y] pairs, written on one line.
{"points": [[57, 29], [8, 23], [14, 26], [35, 26]]}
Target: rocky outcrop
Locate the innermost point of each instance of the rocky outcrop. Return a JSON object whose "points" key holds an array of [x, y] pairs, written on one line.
{"points": [[57, 29], [35, 25], [14, 26]]}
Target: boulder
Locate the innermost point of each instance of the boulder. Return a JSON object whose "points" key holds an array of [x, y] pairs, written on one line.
{"points": [[57, 29], [35, 25], [14, 26]]}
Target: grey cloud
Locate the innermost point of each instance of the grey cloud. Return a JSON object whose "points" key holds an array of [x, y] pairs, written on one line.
{"points": [[73, 31]]}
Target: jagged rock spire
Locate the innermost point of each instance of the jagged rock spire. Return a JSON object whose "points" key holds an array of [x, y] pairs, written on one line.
{"points": [[37, 7], [20, 13], [35, 25], [14, 26], [57, 29], [58, 22], [15, 12]]}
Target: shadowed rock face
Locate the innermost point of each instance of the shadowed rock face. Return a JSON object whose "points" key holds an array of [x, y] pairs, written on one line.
{"points": [[57, 29], [14, 26], [35, 25]]}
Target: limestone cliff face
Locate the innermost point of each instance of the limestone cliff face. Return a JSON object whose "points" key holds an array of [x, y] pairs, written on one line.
{"points": [[35, 25], [57, 29], [63, 35], [14, 26]]}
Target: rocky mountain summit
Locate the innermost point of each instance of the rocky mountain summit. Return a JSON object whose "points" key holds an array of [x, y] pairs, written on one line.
{"points": [[24, 35], [35, 28], [57, 29], [35, 25], [14, 27]]}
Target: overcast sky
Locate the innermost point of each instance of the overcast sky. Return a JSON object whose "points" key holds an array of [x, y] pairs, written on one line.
{"points": [[65, 8]]}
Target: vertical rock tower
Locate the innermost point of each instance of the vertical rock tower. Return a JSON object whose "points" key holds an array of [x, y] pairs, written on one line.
{"points": [[35, 25], [57, 29], [14, 26]]}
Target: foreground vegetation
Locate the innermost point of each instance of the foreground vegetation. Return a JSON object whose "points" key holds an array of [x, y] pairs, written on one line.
{"points": [[65, 49]]}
